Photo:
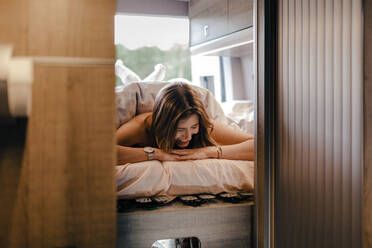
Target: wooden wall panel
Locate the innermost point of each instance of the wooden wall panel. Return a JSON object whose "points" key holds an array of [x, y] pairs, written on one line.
{"points": [[57, 187], [14, 24], [320, 124], [71, 189], [66, 28], [58, 190]]}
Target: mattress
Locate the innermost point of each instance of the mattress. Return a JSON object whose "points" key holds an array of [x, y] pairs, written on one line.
{"points": [[174, 178]]}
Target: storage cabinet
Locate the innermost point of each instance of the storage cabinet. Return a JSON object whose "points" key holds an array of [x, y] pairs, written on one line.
{"points": [[207, 20], [240, 15], [211, 19]]}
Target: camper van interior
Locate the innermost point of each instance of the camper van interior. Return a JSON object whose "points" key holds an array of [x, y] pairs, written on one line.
{"points": [[209, 45], [291, 77]]}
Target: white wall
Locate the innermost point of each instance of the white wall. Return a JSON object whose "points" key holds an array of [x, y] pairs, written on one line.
{"points": [[248, 75], [238, 82], [207, 66], [239, 78]]}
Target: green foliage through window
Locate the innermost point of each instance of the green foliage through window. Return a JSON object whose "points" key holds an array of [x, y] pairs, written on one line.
{"points": [[142, 61]]}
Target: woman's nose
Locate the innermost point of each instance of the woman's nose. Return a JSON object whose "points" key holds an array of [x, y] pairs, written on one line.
{"points": [[188, 135]]}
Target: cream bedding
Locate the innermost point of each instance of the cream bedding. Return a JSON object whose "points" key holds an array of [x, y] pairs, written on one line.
{"points": [[240, 114], [211, 176]]}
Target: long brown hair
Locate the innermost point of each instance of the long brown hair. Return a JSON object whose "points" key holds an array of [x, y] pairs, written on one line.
{"points": [[172, 104]]}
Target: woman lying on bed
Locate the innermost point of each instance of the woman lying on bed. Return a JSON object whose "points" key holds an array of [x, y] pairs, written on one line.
{"points": [[180, 129]]}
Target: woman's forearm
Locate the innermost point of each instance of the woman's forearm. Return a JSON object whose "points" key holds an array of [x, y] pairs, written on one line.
{"points": [[241, 151], [134, 154], [130, 154]]}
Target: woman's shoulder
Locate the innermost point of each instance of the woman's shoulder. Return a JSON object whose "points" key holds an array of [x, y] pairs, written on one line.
{"points": [[135, 131], [139, 122], [143, 120], [142, 117]]}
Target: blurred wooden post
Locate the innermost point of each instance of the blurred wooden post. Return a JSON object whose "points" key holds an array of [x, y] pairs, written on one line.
{"points": [[57, 186]]}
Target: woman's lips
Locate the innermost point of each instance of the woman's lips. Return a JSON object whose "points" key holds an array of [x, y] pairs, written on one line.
{"points": [[180, 143]]}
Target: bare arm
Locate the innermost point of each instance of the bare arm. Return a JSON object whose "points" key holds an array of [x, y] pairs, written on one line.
{"points": [[130, 134], [226, 135], [136, 154], [235, 145], [129, 154], [133, 133]]}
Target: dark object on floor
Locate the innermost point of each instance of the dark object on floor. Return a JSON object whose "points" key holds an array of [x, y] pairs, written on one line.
{"points": [[162, 200], [230, 197], [188, 242], [191, 200], [207, 198], [246, 195], [146, 203]]}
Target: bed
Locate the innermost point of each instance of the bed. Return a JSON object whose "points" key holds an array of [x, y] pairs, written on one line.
{"points": [[216, 223]]}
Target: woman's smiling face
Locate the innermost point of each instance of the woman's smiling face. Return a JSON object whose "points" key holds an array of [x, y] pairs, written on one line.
{"points": [[186, 128]]}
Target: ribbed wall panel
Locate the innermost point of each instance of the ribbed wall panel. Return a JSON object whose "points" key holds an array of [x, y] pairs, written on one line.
{"points": [[319, 153]]}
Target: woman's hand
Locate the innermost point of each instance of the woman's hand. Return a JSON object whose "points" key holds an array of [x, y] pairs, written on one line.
{"points": [[196, 153], [164, 156]]}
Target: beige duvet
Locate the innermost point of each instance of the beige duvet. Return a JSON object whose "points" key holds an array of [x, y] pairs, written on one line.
{"points": [[184, 177]]}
